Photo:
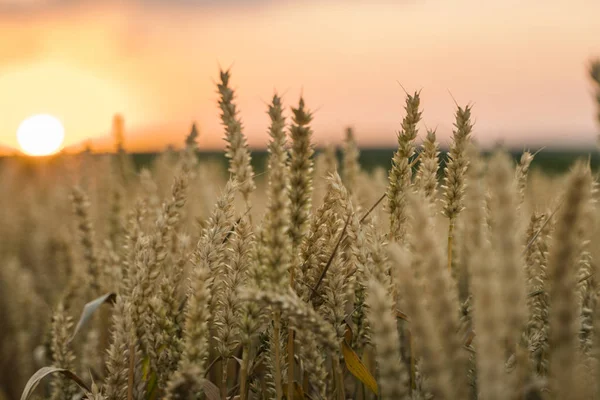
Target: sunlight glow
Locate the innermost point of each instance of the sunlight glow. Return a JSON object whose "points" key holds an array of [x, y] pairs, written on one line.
{"points": [[41, 135]]}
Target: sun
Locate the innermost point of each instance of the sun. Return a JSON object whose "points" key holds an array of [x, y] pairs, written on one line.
{"points": [[40, 135]]}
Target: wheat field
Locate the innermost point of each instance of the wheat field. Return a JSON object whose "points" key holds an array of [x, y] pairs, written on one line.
{"points": [[308, 279]]}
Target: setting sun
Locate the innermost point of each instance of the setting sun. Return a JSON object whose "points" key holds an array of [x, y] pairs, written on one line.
{"points": [[40, 135]]}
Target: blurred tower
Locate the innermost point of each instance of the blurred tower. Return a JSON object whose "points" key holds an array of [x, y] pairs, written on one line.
{"points": [[117, 132], [124, 163], [595, 75]]}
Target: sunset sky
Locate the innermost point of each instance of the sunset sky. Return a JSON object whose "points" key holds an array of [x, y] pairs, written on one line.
{"points": [[522, 63]]}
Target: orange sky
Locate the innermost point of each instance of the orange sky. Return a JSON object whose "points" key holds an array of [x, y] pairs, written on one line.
{"points": [[522, 63]]}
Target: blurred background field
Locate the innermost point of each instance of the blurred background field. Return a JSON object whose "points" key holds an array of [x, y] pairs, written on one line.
{"points": [[551, 161], [547, 160]]}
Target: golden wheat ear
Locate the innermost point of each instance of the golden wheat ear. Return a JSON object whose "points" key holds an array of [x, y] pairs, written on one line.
{"points": [[455, 172], [237, 150], [429, 164], [400, 176]]}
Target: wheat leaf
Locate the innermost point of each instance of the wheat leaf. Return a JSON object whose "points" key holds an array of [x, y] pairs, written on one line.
{"points": [[36, 378], [211, 390], [90, 308]]}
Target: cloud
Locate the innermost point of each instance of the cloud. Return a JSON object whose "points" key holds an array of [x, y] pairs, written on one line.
{"points": [[27, 6], [36, 6], [32, 28]]}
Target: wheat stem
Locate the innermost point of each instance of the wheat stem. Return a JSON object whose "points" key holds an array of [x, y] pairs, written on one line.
{"points": [[339, 379], [223, 386], [244, 372], [290, 370], [276, 340], [450, 242]]}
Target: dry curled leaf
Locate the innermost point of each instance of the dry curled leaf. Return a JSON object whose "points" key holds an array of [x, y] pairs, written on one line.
{"points": [[348, 334], [401, 315], [357, 368]]}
